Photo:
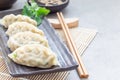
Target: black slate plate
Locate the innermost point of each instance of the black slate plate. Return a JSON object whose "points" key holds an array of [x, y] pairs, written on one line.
{"points": [[65, 58]]}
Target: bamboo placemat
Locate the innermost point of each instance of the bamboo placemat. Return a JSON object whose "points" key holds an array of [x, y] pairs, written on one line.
{"points": [[82, 38]]}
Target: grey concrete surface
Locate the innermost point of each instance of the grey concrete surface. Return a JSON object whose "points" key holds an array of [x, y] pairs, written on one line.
{"points": [[103, 55]]}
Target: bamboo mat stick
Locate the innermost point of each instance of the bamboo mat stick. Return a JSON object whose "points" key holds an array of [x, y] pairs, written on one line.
{"points": [[81, 69]]}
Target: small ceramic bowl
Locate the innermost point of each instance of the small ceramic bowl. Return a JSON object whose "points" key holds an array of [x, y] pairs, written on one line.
{"points": [[53, 7], [5, 4]]}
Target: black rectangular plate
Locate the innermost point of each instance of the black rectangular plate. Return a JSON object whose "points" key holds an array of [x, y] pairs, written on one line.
{"points": [[65, 58]]}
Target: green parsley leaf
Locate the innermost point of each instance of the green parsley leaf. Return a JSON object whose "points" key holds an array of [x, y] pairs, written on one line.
{"points": [[35, 12], [14, 55]]}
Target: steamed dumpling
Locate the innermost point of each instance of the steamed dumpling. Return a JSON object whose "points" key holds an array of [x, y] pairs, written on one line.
{"points": [[9, 19], [34, 55], [23, 38], [22, 27]]}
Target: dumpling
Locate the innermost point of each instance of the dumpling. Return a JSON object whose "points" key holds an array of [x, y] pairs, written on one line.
{"points": [[9, 19], [34, 55], [23, 38], [26, 19], [21, 27]]}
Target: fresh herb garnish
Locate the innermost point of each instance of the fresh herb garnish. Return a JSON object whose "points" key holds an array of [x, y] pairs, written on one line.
{"points": [[14, 55], [35, 12]]}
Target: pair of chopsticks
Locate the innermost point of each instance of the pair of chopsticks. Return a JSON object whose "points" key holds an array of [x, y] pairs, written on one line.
{"points": [[81, 68]]}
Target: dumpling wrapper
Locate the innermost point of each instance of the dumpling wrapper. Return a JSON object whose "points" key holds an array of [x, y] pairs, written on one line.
{"points": [[22, 27], [23, 38], [11, 18], [34, 55]]}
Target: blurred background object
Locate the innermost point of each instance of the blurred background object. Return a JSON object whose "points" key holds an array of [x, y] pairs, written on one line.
{"points": [[52, 5], [6, 4]]}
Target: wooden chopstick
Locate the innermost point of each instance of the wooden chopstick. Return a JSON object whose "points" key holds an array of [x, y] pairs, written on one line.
{"points": [[81, 68]]}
